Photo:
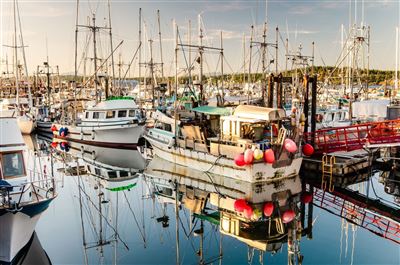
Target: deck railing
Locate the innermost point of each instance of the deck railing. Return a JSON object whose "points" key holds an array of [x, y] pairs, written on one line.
{"points": [[354, 137]]}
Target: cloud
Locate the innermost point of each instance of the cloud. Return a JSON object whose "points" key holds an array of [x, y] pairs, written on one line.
{"points": [[226, 7]]}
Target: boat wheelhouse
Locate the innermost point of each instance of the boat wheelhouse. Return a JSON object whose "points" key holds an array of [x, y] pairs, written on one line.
{"points": [[114, 123], [210, 139]]}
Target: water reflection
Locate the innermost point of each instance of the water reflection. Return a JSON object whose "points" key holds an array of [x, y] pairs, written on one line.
{"points": [[31, 254], [168, 214]]}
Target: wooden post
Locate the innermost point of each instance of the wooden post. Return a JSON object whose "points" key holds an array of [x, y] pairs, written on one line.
{"points": [[306, 101], [270, 93], [279, 92]]}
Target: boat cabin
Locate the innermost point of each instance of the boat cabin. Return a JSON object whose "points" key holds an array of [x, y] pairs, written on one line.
{"points": [[112, 111]]}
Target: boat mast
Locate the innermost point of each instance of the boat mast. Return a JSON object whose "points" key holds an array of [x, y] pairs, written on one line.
{"points": [[94, 29], [76, 61], [151, 64], [111, 46], [396, 72], [190, 54], [222, 72], [140, 54], [201, 58], [16, 53], [159, 37], [24, 57]]}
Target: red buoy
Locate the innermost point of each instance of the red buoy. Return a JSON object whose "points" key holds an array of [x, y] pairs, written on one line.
{"points": [[239, 205], [288, 216], [53, 128], [239, 160], [269, 156], [248, 211], [268, 209], [306, 197], [308, 150], [54, 144]]}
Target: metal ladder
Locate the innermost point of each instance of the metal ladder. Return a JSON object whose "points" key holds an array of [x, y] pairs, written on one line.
{"points": [[327, 172]]}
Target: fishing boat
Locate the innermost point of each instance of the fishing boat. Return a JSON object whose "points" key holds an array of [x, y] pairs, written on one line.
{"points": [[252, 144], [114, 123], [24, 194]]}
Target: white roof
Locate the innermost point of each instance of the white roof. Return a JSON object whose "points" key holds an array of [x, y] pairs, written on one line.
{"points": [[10, 135], [259, 113], [115, 105]]}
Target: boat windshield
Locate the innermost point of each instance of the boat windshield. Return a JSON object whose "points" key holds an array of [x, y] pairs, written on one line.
{"points": [[12, 165]]}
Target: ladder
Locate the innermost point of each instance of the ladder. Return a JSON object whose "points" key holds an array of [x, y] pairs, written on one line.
{"points": [[327, 172]]}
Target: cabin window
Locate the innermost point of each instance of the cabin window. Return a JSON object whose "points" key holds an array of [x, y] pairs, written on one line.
{"points": [[96, 115], [167, 127], [112, 174], [97, 171], [87, 115], [110, 114], [12, 165], [122, 113], [132, 113]]}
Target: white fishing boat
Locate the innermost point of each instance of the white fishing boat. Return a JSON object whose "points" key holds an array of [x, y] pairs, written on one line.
{"points": [[24, 194], [114, 123], [20, 109], [209, 140]]}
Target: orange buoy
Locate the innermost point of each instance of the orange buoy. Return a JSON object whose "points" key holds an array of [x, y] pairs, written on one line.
{"points": [[53, 128], [288, 216], [268, 209], [269, 156], [54, 144]]}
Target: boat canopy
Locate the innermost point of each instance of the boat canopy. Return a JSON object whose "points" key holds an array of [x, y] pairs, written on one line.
{"points": [[114, 105], [259, 113], [209, 110]]}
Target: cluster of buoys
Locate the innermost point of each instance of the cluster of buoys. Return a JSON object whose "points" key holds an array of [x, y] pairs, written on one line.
{"points": [[248, 157], [64, 146], [242, 206], [63, 131]]}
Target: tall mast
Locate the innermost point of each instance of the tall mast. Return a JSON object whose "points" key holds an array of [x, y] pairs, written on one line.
{"points": [[159, 38], [263, 60], [201, 57], [140, 52], [152, 73], [244, 60], [24, 57], [76, 59], [16, 53], [222, 71], [94, 29], [112, 49], [276, 51], [250, 55], [396, 72], [190, 54]]}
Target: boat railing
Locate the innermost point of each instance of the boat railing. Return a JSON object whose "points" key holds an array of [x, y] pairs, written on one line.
{"points": [[354, 137], [12, 197]]}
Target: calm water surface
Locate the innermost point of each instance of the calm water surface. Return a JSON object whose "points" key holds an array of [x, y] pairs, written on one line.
{"points": [[90, 223]]}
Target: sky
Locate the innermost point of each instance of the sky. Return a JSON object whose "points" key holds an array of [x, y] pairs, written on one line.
{"points": [[48, 29]]}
